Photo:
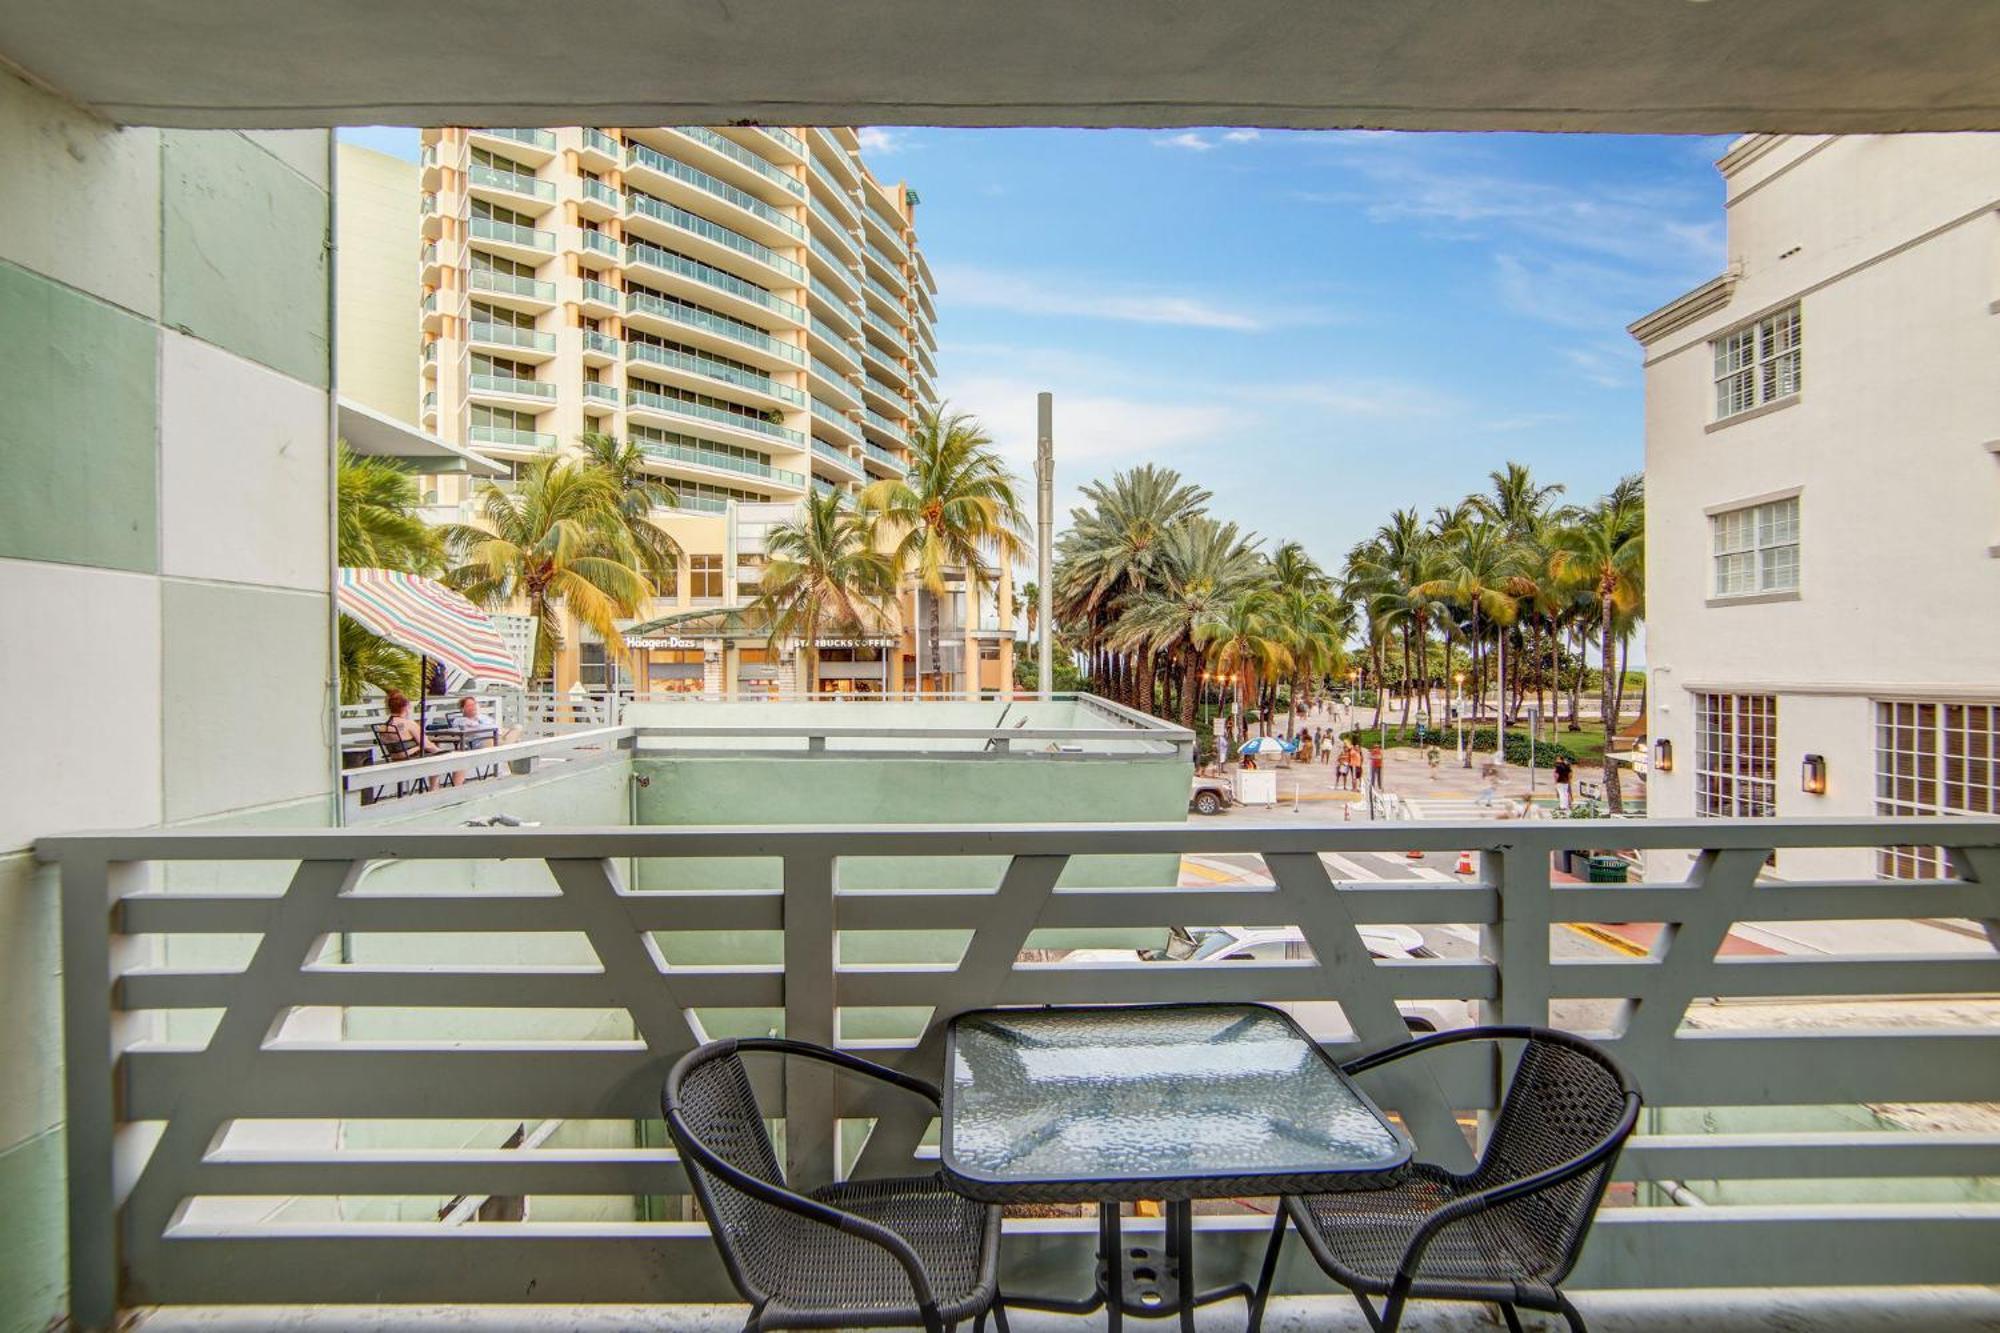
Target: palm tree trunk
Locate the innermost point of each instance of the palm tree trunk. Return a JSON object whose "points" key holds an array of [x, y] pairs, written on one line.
{"points": [[936, 622], [1612, 795], [1500, 695], [1406, 675], [1190, 684]]}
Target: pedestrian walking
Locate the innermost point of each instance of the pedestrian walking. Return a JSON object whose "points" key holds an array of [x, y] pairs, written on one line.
{"points": [[1565, 778], [1432, 756], [1375, 765]]}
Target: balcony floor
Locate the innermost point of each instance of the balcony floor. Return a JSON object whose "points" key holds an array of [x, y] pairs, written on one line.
{"points": [[1756, 1310]]}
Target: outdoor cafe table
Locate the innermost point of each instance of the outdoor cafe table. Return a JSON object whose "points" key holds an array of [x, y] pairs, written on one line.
{"points": [[1100, 1104]]}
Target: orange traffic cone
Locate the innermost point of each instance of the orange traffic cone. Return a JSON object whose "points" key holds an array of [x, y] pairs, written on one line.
{"points": [[1465, 863]]}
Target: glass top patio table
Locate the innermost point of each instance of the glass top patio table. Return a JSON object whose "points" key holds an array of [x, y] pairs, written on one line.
{"points": [[1073, 1104]]}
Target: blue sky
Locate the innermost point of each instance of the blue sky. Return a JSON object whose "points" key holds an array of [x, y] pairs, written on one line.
{"points": [[1318, 327]]}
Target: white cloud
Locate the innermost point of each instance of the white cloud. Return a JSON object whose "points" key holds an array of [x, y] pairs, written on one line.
{"points": [[1241, 136], [1449, 191], [882, 142], [1187, 139], [1028, 294], [1608, 367]]}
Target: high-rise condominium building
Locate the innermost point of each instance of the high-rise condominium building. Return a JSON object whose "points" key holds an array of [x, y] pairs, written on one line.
{"points": [[746, 305], [1823, 496]]}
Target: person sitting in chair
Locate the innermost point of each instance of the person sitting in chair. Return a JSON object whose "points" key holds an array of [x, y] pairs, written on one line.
{"points": [[404, 727]]}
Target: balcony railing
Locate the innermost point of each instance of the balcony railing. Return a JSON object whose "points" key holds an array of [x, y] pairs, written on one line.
{"points": [[836, 379], [600, 193], [513, 284], [1888, 1204], [512, 233], [893, 301], [507, 335], [886, 457], [681, 407], [640, 252], [661, 211], [785, 137], [594, 341], [512, 385], [742, 156], [885, 328], [700, 504], [602, 293], [883, 423], [542, 139], [837, 227], [711, 368], [512, 181], [508, 437], [598, 392], [601, 142], [840, 458], [748, 467], [640, 155], [721, 325]]}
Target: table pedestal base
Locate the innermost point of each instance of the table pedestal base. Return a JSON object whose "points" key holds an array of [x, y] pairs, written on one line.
{"points": [[1139, 1280]]}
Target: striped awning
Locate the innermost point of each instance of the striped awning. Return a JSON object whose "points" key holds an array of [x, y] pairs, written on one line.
{"points": [[430, 619]]}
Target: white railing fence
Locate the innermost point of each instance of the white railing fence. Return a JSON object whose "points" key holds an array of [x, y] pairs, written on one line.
{"points": [[164, 1130]]}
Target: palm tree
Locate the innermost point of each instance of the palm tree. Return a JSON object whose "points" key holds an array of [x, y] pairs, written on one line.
{"points": [[367, 659], [1205, 566], [1242, 643], [1606, 550], [640, 495], [957, 498], [1313, 626], [559, 542], [1517, 502], [1478, 569], [824, 568], [1114, 551], [378, 526]]}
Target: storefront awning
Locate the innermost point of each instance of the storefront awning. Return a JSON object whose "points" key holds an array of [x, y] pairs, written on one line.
{"points": [[687, 629]]}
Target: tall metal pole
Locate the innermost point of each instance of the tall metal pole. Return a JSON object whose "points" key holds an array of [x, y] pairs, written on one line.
{"points": [[1045, 514]]}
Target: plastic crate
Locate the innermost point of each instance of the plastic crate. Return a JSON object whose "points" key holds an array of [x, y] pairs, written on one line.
{"points": [[1606, 870]]}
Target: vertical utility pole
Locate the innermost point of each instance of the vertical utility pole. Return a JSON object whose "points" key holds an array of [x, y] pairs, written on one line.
{"points": [[1045, 505]]}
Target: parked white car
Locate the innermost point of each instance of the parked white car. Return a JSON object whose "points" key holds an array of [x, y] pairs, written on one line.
{"points": [[1211, 946], [1210, 796]]}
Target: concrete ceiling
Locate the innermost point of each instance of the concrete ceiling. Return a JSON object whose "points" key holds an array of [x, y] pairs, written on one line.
{"points": [[1621, 65]]}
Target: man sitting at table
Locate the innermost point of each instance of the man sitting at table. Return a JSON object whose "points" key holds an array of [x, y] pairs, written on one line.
{"points": [[484, 733]]}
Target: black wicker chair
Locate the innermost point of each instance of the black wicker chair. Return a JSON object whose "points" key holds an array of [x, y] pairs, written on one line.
{"points": [[1507, 1232], [870, 1253]]}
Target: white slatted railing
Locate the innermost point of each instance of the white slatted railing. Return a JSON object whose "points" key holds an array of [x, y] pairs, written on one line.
{"points": [[168, 1135]]}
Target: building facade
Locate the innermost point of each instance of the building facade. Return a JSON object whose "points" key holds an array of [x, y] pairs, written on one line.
{"points": [[748, 306], [376, 216], [1823, 495]]}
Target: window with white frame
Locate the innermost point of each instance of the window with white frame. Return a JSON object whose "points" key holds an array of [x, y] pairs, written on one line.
{"points": [[1756, 548], [1933, 758], [1736, 756], [1759, 363]]}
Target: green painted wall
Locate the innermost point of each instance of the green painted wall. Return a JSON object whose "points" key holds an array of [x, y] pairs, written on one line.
{"points": [[233, 271], [78, 438], [153, 287]]}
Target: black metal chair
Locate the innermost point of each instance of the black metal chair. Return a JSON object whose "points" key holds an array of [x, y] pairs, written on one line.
{"points": [[1507, 1232], [396, 746], [868, 1253]]}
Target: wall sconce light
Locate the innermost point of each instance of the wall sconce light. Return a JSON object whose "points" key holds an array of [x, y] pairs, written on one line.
{"points": [[1812, 775], [1663, 755]]}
